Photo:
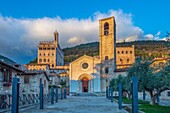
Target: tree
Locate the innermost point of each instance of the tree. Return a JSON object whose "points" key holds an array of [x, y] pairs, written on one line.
{"points": [[126, 87], [150, 80]]}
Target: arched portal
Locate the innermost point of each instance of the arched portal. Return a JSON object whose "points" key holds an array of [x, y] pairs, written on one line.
{"points": [[84, 83]]}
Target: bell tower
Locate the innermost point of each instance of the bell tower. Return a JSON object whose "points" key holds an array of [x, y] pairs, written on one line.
{"points": [[107, 34]]}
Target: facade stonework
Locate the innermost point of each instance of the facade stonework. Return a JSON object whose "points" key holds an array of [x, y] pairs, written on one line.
{"points": [[90, 74], [125, 57], [49, 53]]}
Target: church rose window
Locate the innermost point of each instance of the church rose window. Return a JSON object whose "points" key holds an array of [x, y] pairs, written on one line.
{"points": [[106, 28], [85, 65]]}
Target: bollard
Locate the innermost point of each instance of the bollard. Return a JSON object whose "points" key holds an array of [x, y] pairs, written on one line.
{"points": [[41, 95], [134, 94], [65, 93], [106, 92], [52, 95], [61, 94], [15, 95], [112, 95], [143, 94], [120, 96], [109, 93], [56, 99]]}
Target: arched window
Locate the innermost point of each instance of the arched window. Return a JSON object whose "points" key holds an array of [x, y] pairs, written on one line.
{"points": [[106, 70], [40, 60], [121, 61], [44, 60], [106, 58], [106, 28], [127, 60]]}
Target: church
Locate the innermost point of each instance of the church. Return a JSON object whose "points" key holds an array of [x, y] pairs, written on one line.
{"points": [[91, 74]]}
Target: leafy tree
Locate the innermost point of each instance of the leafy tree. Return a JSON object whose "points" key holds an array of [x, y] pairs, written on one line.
{"points": [[126, 87], [150, 80]]}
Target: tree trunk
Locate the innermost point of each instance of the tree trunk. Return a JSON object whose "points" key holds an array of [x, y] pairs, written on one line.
{"points": [[152, 100]]}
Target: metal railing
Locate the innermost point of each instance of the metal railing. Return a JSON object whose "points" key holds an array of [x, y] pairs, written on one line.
{"points": [[26, 100]]}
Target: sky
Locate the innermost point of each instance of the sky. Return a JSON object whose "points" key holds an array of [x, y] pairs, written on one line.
{"points": [[24, 23]]}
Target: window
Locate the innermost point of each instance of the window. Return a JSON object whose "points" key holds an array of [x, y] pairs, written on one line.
{"points": [[40, 54], [106, 28], [48, 54], [40, 48], [52, 48], [122, 52], [7, 75], [40, 60], [44, 48], [127, 60], [44, 60], [130, 52], [26, 79], [121, 61], [106, 70], [48, 60], [48, 48], [52, 65], [126, 52], [106, 58], [52, 54], [118, 52], [85, 65], [44, 54]]}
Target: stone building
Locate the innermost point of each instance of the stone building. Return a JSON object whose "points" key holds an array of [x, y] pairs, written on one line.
{"points": [[90, 74], [49, 53], [30, 82], [7, 72]]}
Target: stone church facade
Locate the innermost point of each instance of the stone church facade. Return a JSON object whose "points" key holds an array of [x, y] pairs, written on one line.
{"points": [[90, 74]]}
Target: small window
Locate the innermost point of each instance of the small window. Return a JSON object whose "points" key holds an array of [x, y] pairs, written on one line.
{"points": [[26, 79], [40, 54], [44, 60], [122, 52], [48, 48], [40, 60], [48, 54], [118, 52], [44, 54], [48, 60], [126, 52], [121, 60], [106, 58], [52, 65], [52, 54], [130, 52], [40, 48], [127, 60], [44, 48], [106, 70]]}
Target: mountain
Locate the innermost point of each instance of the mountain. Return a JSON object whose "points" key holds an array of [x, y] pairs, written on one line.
{"points": [[146, 49]]}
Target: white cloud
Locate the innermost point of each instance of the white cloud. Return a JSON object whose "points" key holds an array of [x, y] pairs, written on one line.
{"points": [[19, 37], [149, 36]]}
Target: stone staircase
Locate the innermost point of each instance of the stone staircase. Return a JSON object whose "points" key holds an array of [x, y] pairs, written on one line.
{"points": [[85, 94]]}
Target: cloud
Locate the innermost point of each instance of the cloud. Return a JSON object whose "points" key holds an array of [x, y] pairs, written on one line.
{"points": [[149, 36], [19, 37]]}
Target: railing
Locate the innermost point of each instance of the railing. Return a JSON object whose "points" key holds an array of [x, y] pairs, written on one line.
{"points": [[26, 100]]}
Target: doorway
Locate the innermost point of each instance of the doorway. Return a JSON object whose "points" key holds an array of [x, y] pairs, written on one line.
{"points": [[85, 83]]}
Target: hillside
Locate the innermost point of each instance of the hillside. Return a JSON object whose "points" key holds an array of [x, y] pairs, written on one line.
{"points": [[146, 49]]}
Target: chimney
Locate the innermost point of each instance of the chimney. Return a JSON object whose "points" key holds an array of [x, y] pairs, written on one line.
{"points": [[56, 37]]}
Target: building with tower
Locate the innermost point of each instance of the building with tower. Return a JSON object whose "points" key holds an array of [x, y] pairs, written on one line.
{"points": [[50, 55], [90, 74]]}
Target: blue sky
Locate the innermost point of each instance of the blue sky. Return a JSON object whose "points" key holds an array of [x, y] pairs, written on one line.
{"points": [[31, 21]]}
